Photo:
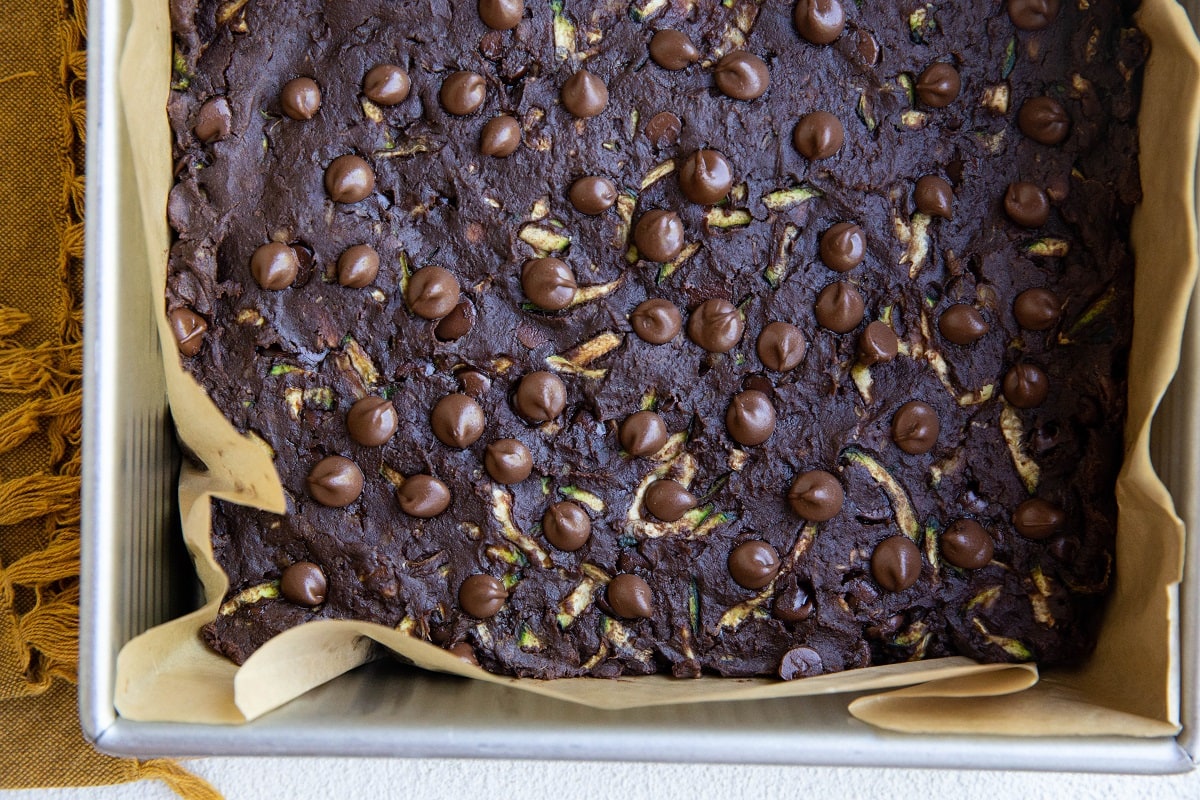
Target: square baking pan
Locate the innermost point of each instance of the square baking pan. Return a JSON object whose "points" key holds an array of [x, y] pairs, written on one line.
{"points": [[135, 575]]}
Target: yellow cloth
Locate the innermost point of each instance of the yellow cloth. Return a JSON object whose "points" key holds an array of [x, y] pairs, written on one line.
{"points": [[42, 74]]}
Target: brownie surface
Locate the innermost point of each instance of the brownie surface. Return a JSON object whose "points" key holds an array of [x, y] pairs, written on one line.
{"points": [[936, 548]]}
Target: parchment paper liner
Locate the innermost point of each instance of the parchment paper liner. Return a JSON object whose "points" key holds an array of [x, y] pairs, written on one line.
{"points": [[1129, 687]]}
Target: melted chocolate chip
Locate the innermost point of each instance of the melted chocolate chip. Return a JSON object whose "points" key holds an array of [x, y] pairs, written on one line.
{"points": [[800, 662], [482, 596], [457, 421], [962, 324], [819, 21], [593, 195], [1026, 386], [189, 329], [432, 292], [781, 346], [474, 383], [456, 324], [663, 129], [793, 602], [584, 94], [501, 15], [386, 84], [716, 325], [753, 564], [742, 75], [274, 266], [508, 461], [300, 98], [463, 652], [358, 266], [915, 427], [500, 137], [658, 235], [938, 85], [673, 50], [630, 597], [966, 544], [656, 321], [335, 481], [816, 496], [668, 500], [304, 584], [1038, 519], [843, 247], [1026, 205], [750, 418], [1044, 120], [818, 135], [1037, 309], [548, 283], [423, 496], [705, 177], [642, 434], [934, 196], [213, 120], [463, 92], [371, 421], [540, 397], [877, 344], [867, 47], [566, 526], [896, 563], [839, 307], [1033, 15], [349, 179]]}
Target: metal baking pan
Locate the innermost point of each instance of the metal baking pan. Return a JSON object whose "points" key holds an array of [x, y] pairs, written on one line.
{"points": [[134, 576]]}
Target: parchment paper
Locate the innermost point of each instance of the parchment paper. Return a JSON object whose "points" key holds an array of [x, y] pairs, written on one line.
{"points": [[1129, 687]]}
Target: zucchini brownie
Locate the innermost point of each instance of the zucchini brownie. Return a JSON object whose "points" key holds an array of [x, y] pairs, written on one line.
{"points": [[603, 338]]}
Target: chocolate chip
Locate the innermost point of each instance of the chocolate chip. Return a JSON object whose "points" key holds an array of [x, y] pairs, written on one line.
{"points": [[432, 292], [463, 92], [753, 564], [189, 329], [642, 433], [304, 584], [934, 196], [630, 597], [800, 662], [213, 120], [793, 602], [1044, 120], [843, 247], [867, 47], [816, 496], [501, 15], [423, 496], [673, 50], [335, 481], [566, 526], [1038, 519], [500, 137], [1026, 386], [839, 307], [457, 421], [877, 344], [548, 283], [371, 421], [508, 461], [656, 321], [896, 563], [1026, 204], [300, 98], [663, 129], [742, 75], [584, 94], [818, 135], [966, 544], [705, 177], [540, 397], [592, 195], [819, 21], [1033, 15], [274, 266], [668, 500], [349, 179], [781, 346], [962, 324], [716, 325], [456, 324], [1037, 309], [482, 596], [463, 652], [658, 235], [938, 85], [358, 266], [386, 84], [915, 427], [750, 418]]}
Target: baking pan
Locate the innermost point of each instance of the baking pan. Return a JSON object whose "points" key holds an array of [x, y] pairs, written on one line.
{"points": [[134, 576]]}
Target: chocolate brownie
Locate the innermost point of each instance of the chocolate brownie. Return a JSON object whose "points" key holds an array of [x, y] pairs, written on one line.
{"points": [[602, 338]]}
